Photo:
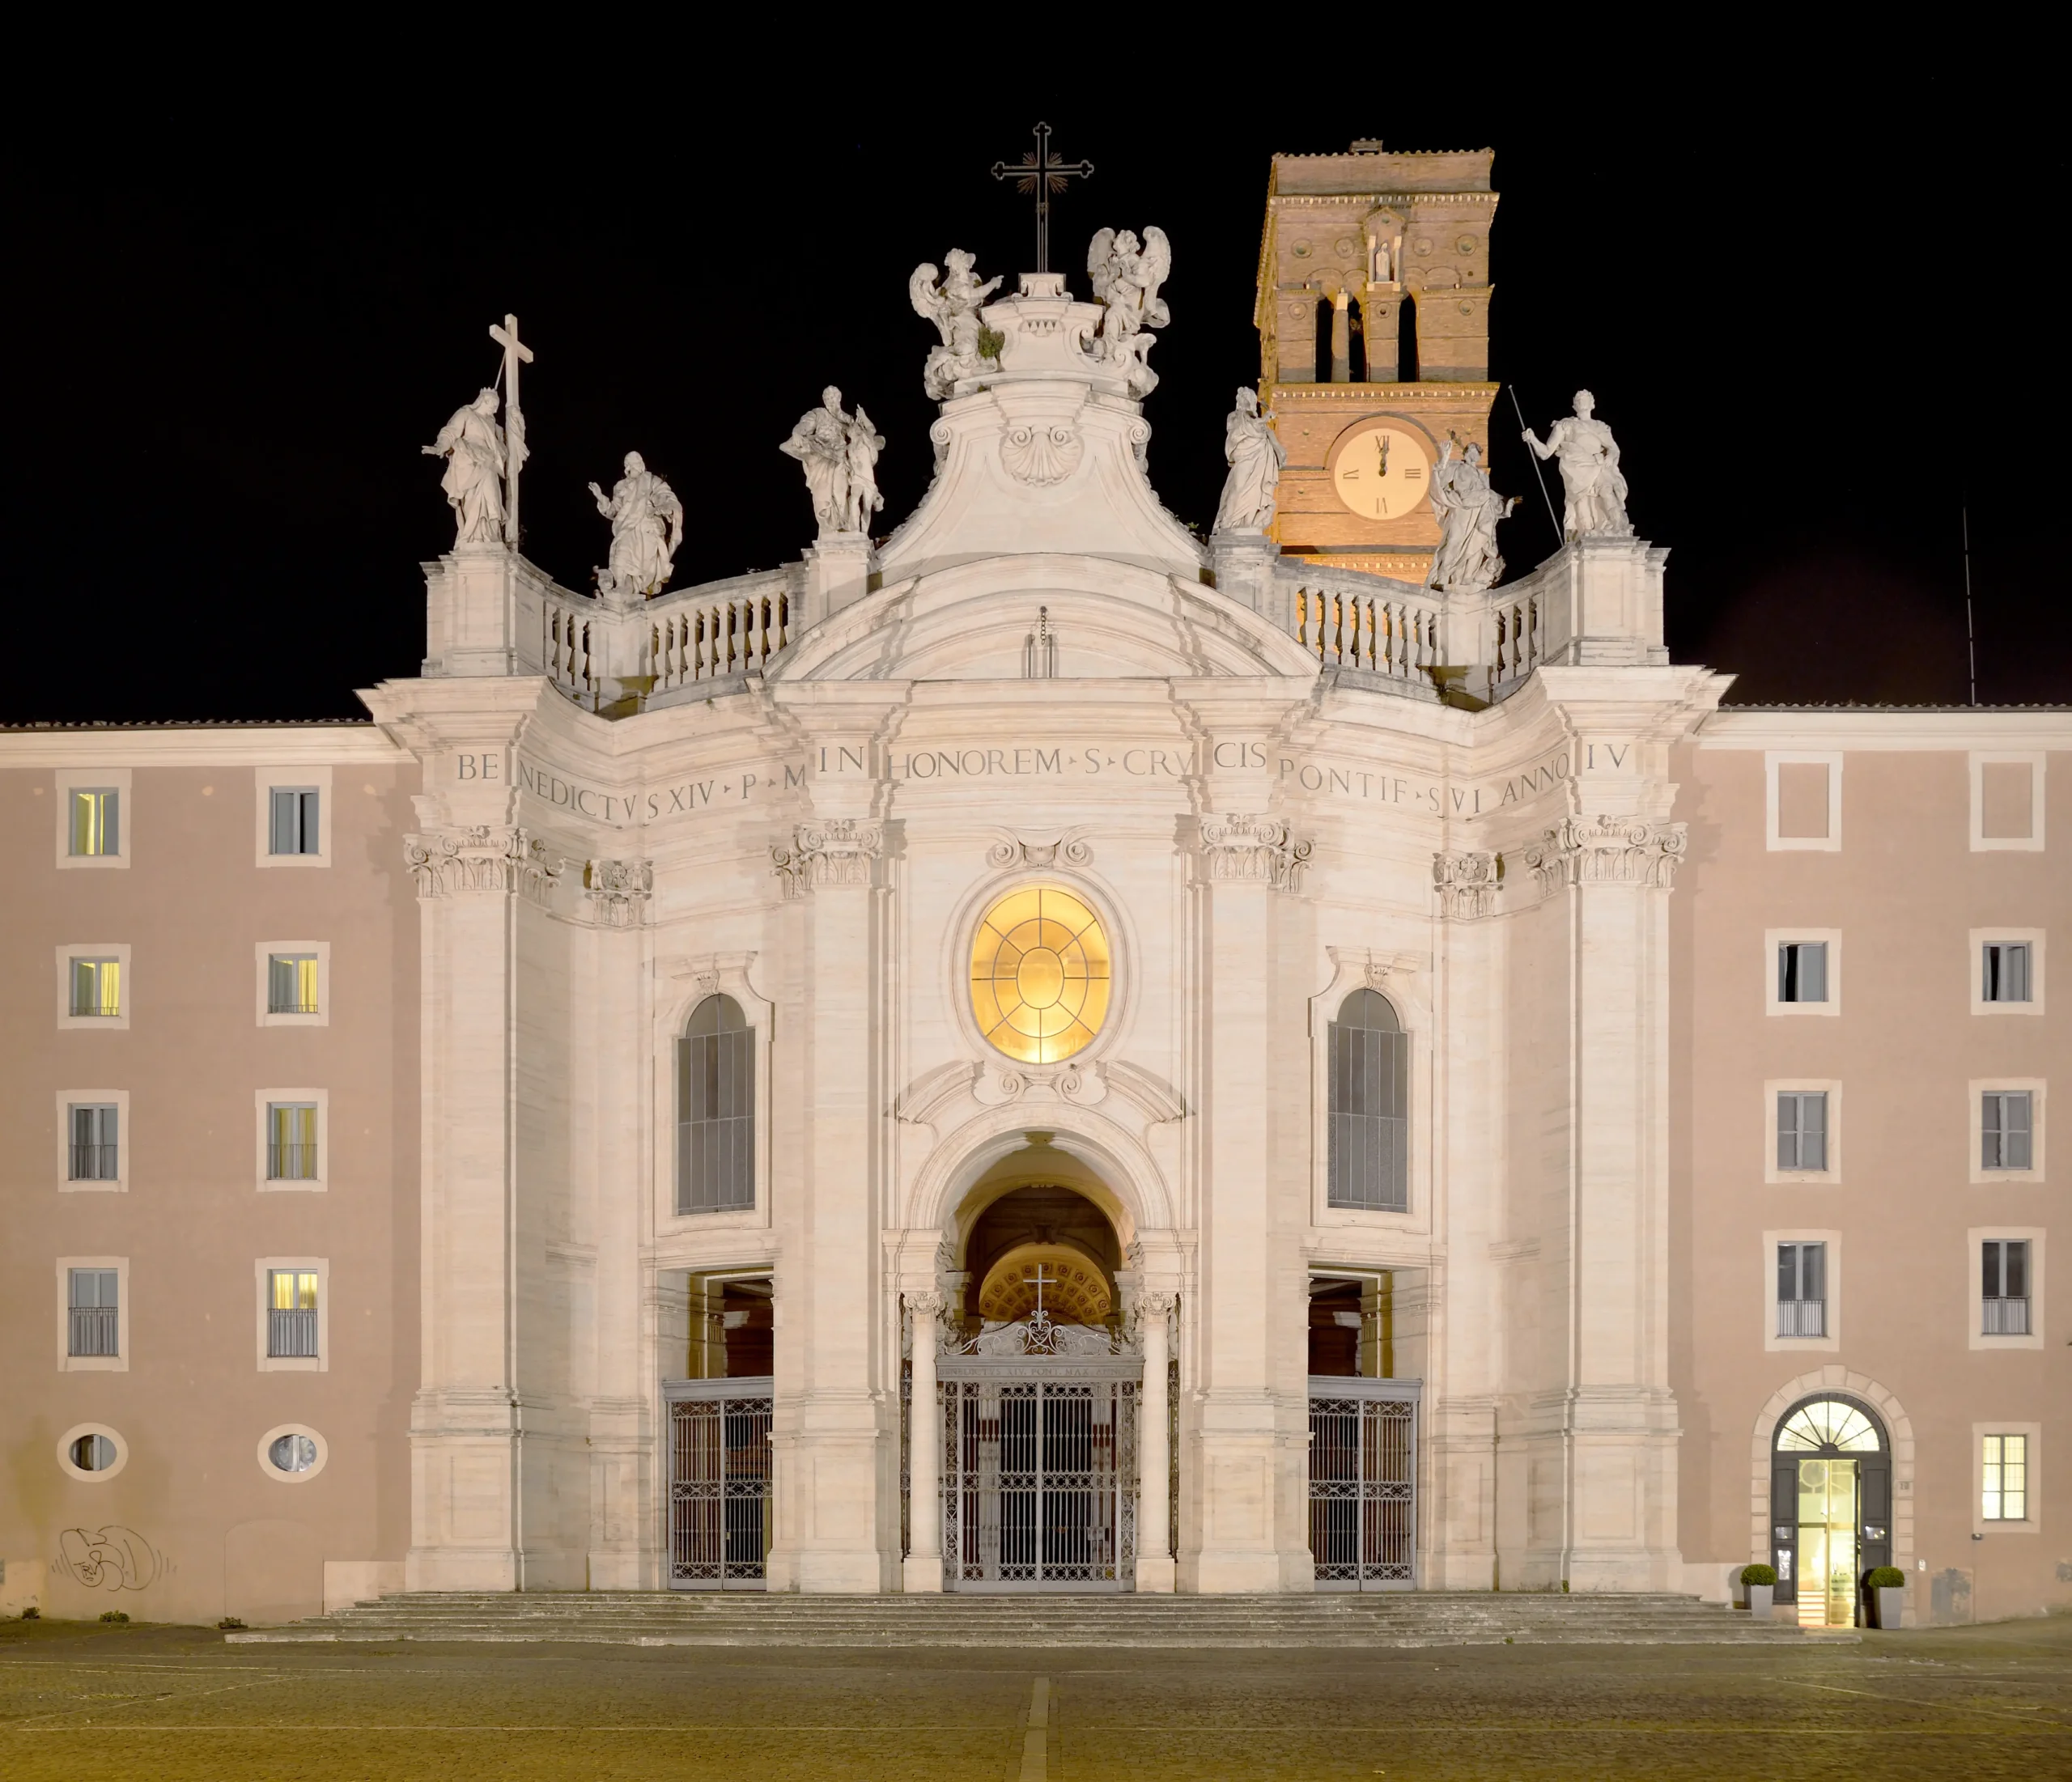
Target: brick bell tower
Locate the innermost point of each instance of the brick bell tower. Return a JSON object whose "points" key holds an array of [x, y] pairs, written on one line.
{"points": [[1374, 319]]}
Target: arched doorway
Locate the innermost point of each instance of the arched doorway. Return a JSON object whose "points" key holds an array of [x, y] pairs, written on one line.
{"points": [[1831, 1506]]}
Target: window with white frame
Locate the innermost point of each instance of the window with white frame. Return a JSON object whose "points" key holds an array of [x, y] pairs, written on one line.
{"points": [[97, 985], [2006, 1129], [291, 1310], [716, 1109], [2004, 975], [291, 1142], [2004, 1478], [93, 1144], [1802, 1129], [2004, 1278], [1369, 1106], [1803, 1290], [94, 824], [94, 1304], [1802, 971], [291, 983], [293, 819]]}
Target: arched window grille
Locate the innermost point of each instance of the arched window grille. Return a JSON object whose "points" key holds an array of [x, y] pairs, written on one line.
{"points": [[716, 1109], [1369, 1108]]}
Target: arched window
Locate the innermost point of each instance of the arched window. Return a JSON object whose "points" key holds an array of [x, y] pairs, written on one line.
{"points": [[1830, 1508], [1324, 313], [716, 1109], [1406, 339], [1369, 1106], [1356, 342]]}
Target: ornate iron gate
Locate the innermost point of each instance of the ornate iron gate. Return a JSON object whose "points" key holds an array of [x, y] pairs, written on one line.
{"points": [[719, 1468], [1363, 1483], [1039, 1473]]}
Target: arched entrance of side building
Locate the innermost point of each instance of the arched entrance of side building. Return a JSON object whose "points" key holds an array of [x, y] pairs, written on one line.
{"points": [[1831, 1506]]}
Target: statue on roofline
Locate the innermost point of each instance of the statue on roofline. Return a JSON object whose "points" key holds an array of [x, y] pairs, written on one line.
{"points": [[953, 305], [1467, 510], [1594, 491], [646, 528], [474, 447], [1127, 274], [839, 453], [1256, 458]]}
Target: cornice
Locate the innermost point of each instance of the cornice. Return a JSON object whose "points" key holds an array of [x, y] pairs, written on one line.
{"points": [[2042, 726], [1394, 393], [199, 746], [1312, 200]]}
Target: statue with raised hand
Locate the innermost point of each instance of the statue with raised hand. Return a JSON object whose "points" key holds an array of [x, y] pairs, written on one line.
{"points": [[1592, 488]]}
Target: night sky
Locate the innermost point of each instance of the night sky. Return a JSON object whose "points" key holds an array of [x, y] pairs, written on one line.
{"points": [[1818, 316]]}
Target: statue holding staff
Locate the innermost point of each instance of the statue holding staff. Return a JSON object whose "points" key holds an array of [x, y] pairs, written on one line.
{"points": [[1591, 483]]}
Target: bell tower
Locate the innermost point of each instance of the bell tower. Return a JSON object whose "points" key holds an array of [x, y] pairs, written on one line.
{"points": [[1374, 319]]}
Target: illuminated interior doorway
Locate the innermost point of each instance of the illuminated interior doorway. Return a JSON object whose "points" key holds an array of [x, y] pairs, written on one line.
{"points": [[1831, 1505]]}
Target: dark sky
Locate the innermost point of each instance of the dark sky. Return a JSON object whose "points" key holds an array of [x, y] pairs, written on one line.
{"points": [[1821, 310]]}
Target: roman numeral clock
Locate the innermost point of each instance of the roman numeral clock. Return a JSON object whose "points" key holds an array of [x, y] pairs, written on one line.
{"points": [[1381, 472]]}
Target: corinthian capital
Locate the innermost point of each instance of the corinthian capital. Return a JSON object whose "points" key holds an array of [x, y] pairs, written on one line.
{"points": [[1258, 850], [483, 860], [1607, 851], [840, 851], [618, 890], [1467, 884]]}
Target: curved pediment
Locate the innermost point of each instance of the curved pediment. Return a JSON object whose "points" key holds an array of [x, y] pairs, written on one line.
{"points": [[1006, 618]]}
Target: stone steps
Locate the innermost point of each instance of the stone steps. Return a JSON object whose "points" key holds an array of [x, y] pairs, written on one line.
{"points": [[751, 1619]]}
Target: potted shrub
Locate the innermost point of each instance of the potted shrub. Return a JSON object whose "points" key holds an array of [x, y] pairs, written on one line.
{"points": [[1888, 1590], [1758, 1581]]}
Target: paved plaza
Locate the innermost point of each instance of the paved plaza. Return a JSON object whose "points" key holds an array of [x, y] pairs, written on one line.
{"points": [[167, 1702]]}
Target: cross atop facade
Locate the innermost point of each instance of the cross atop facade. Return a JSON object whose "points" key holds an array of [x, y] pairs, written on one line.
{"points": [[1038, 173], [1039, 1281], [515, 350]]}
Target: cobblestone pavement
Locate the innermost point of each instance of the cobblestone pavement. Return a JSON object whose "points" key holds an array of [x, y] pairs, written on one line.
{"points": [[176, 1702]]}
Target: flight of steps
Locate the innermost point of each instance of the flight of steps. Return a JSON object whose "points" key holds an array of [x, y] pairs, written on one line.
{"points": [[745, 1618]]}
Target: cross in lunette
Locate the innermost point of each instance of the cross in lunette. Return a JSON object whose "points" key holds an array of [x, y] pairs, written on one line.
{"points": [[1040, 174], [1039, 1281]]}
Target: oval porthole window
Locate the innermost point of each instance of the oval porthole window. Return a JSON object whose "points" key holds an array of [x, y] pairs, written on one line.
{"points": [[92, 1453], [1040, 974], [290, 1453]]}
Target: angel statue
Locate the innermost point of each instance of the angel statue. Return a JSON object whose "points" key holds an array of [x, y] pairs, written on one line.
{"points": [[1126, 275], [473, 445], [1590, 476], [1468, 510], [646, 528], [953, 305], [1256, 458]]}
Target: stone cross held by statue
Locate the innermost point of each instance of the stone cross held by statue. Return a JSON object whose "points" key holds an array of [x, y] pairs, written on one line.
{"points": [[1038, 173], [513, 419], [1039, 1282]]}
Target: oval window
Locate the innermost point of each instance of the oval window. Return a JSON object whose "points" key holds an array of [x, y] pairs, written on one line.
{"points": [[1039, 974], [93, 1454], [293, 1453]]}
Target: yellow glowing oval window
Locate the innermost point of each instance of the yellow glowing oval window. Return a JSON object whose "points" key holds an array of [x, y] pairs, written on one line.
{"points": [[1039, 974]]}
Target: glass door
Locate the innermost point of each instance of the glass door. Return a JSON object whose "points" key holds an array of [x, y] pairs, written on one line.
{"points": [[1827, 1543]]}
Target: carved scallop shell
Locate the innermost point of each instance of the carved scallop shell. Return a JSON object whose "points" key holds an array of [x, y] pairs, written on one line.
{"points": [[1041, 456]]}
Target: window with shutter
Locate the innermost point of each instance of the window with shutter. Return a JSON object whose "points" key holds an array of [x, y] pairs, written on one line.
{"points": [[93, 1147], [2004, 1286], [1802, 1129], [2005, 972], [97, 826], [716, 1109], [1802, 971], [97, 988], [1801, 1290], [293, 827], [291, 1312], [291, 984], [92, 1298], [2004, 1130], [292, 1141], [1368, 1107]]}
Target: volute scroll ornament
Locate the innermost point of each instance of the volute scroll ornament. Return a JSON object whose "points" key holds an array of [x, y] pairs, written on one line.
{"points": [[1607, 851], [482, 858], [1011, 850], [1041, 455], [1467, 884], [618, 890], [842, 851], [1261, 850]]}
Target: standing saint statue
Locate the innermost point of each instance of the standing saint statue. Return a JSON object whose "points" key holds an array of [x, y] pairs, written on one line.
{"points": [[1256, 458], [823, 443], [1592, 489], [1467, 509], [646, 528], [473, 445]]}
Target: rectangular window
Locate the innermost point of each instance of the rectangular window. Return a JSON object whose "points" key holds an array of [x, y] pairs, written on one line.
{"points": [[291, 983], [2004, 972], [1801, 1290], [97, 826], [92, 1302], [292, 1141], [97, 988], [292, 1313], [2004, 1130], [2006, 1479], [94, 1154], [715, 1121], [1802, 1129], [1802, 971], [2004, 1286], [292, 824]]}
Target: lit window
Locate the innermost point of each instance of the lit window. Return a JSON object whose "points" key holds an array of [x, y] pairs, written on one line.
{"points": [[2004, 1130], [1828, 1422], [292, 1141], [97, 822], [1369, 1106], [2005, 1479], [97, 988], [292, 1313], [291, 983], [292, 826], [2004, 972], [1802, 971], [2004, 1286], [292, 1453], [1802, 1129], [91, 1303], [716, 1109], [94, 1157], [1040, 975], [1801, 1290]]}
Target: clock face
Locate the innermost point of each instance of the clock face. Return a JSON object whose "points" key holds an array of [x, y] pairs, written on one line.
{"points": [[1381, 472]]}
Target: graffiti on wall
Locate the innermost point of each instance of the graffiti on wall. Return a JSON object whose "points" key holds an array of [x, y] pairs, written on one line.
{"points": [[114, 1558]]}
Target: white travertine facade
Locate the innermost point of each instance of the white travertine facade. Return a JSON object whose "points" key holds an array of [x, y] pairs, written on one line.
{"points": [[1273, 786]]}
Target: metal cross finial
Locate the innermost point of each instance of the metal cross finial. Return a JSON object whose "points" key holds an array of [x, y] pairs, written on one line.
{"points": [[1039, 1281], [1038, 173], [513, 419]]}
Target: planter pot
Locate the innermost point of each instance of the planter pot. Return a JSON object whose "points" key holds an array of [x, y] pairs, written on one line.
{"points": [[1759, 1599], [1892, 1607]]}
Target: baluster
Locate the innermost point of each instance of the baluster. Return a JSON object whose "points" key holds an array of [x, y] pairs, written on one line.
{"points": [[783, 621]]}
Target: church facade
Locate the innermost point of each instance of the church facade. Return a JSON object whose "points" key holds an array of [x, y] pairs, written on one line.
{"points": [[1038, 1054]]}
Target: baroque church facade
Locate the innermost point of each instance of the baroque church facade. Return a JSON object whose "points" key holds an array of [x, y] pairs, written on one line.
{"points": [[1035, 1052]]}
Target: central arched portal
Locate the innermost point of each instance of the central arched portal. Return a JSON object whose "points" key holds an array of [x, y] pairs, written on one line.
{"points": [[1038, 1383]]}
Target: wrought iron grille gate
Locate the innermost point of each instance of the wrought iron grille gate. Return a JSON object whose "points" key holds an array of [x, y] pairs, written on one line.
{"points": [[719, 1468], [1039, 1476], [1363, 1483]]}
